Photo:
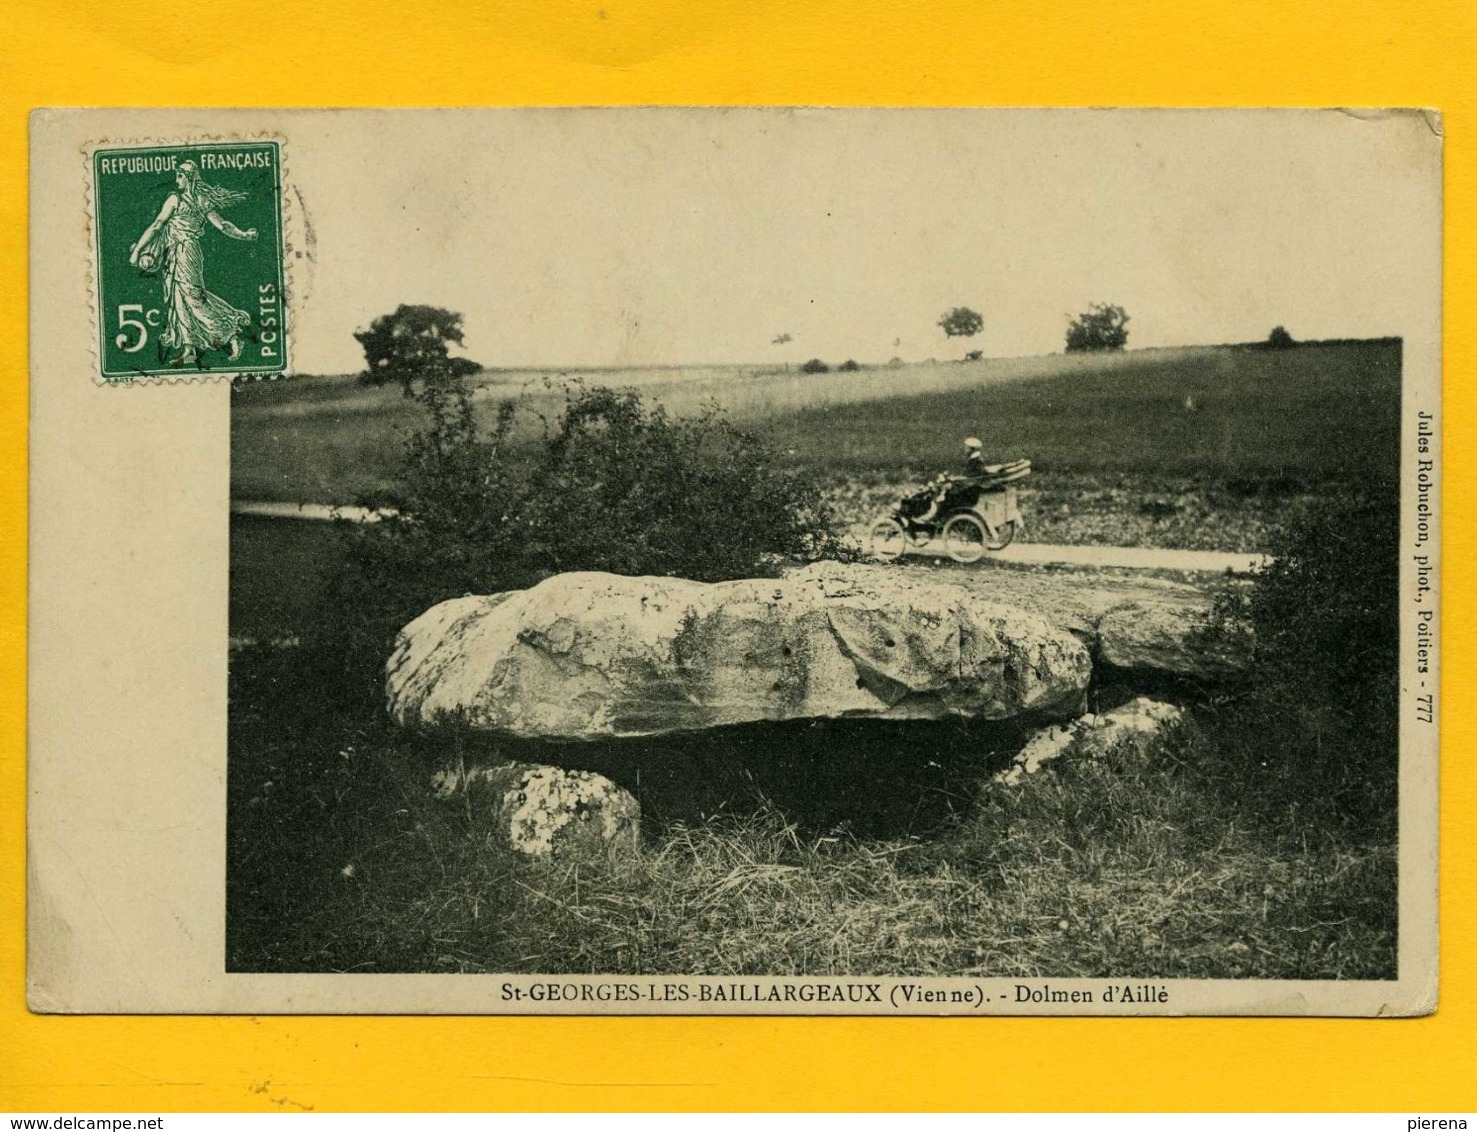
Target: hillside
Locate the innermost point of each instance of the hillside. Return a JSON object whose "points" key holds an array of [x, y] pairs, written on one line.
{"points": [[1222, 412]]}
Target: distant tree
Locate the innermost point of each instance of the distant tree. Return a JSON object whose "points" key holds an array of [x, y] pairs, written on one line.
{"points": [[413, 345], [848, 366], [974, 355], [1100, 327], [1280, 339], [815, 365], [961, 322]]}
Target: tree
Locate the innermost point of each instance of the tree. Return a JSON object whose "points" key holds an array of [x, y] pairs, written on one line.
{"points": [[1100, 327], [961, 322], [413, 344]]}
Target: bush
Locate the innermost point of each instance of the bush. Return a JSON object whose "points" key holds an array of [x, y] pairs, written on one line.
{"points": [[815, 365], [1280, 339], [616, 486], [1317, 723], [848, 366], [974, 355]]}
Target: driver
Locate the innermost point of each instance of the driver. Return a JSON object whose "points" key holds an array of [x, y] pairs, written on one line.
{"points": [[974, 468], [974, 457]]}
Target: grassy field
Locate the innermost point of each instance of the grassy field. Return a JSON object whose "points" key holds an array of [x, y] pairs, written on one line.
{"points": [[1227, 415], [278, 570], [1224, 413]]}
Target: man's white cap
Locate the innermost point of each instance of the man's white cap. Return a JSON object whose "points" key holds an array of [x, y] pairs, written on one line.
{"points": [[973, 442]]}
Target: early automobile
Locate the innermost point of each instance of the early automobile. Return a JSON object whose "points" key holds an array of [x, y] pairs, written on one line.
{"points": [[970, 514]]}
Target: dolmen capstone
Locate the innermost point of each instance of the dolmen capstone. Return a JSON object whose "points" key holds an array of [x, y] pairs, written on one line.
{"points": [[584, 656]]}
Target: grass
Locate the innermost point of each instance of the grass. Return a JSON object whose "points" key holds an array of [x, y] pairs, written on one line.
{"points": [[278, 570], [1233, 416], [1256, 414], [340, 860]]}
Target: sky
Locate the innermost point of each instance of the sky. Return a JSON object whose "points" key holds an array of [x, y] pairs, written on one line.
{"points": [[669, 237]]}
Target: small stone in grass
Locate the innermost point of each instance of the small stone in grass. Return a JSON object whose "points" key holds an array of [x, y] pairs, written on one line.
{"points": [[547, 812]]}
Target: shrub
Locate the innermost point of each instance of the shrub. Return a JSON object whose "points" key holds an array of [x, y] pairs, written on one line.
{"points": [[1280, 339], [974, 355], [815, 365], [616, 486], [636, 492], [848, 366], [1317, 723]]}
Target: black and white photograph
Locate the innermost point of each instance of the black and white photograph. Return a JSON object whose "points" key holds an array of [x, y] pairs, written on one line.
{"points": [[780, 561]]}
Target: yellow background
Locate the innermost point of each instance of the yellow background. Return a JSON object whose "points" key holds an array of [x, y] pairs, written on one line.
{"points": [[862, 52]]}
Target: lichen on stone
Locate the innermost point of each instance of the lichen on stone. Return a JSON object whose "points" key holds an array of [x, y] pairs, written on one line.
{"points": [[1137, 724], [546, 811]]}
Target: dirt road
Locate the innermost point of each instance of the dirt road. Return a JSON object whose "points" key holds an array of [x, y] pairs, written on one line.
{"points": [[1117, 557], [1021, 553]]}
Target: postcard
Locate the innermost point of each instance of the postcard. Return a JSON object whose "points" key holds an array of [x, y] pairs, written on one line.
{"points": [[735, 561]]}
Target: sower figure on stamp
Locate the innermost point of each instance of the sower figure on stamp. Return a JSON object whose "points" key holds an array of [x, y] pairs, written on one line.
{"points": [[195, 319]]}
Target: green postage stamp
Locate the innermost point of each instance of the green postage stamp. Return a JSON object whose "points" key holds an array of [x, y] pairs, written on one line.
{"points": [[189, 246]]}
